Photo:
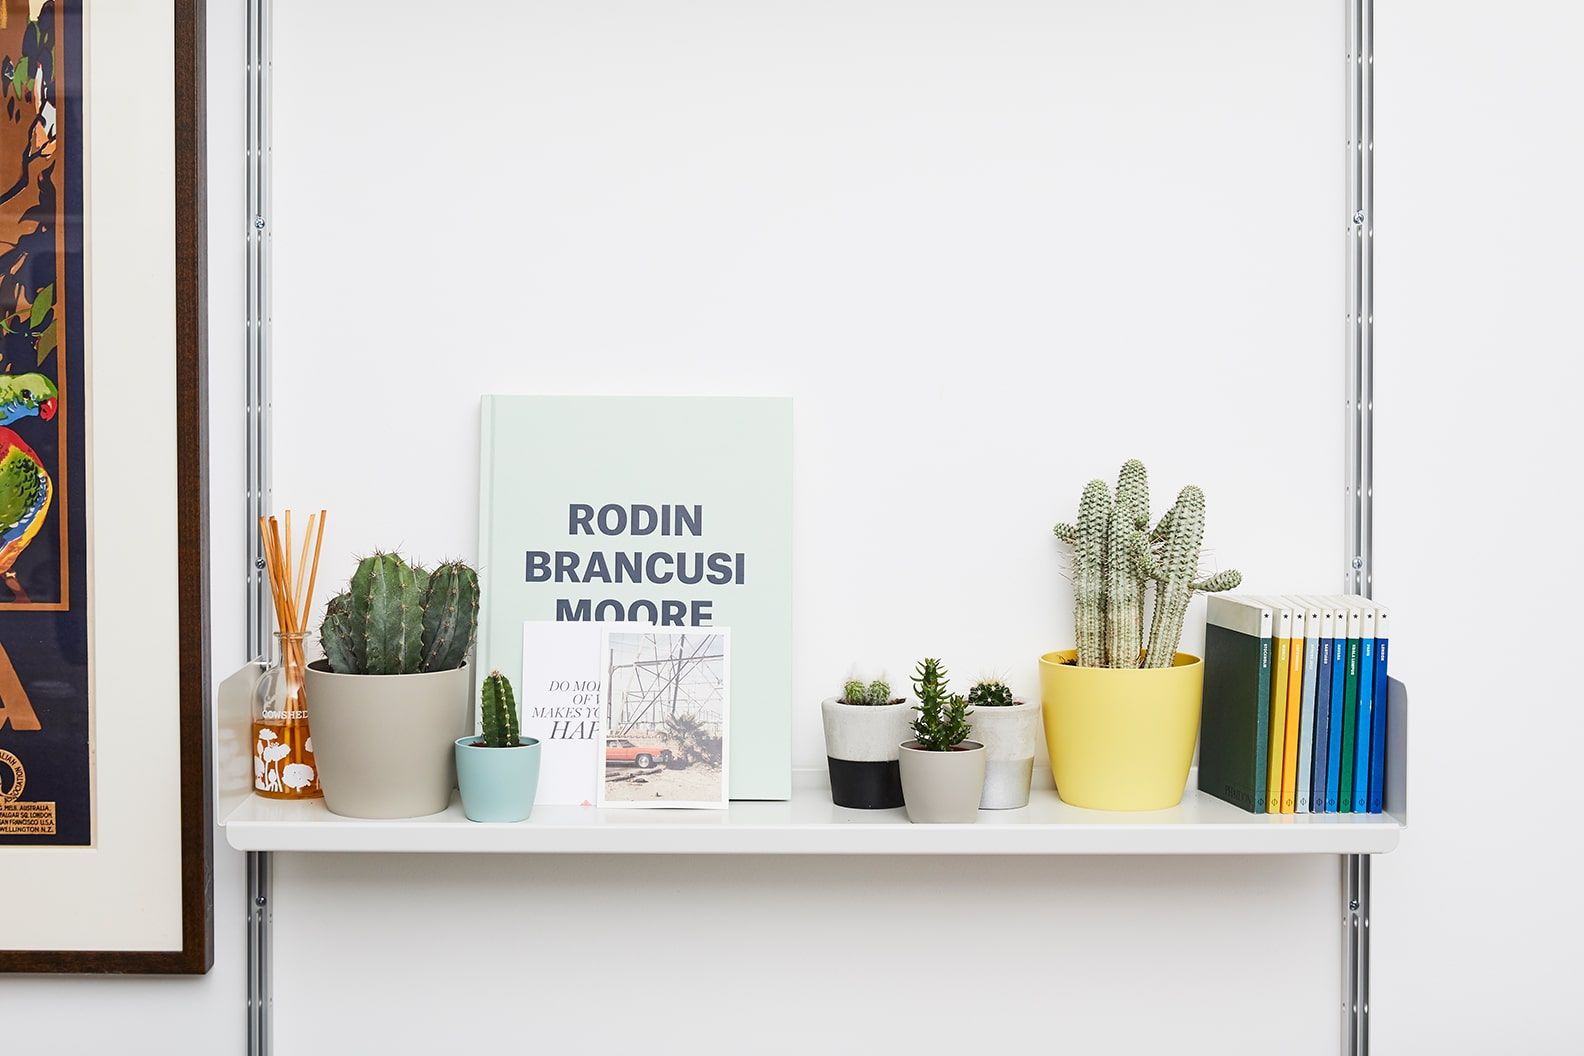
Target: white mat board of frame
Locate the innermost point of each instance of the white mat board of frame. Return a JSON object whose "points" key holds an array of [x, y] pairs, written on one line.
{"points": [[991, 249]]}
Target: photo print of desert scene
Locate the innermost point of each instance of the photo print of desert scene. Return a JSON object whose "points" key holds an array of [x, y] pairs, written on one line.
{"points": [[666, 702]]}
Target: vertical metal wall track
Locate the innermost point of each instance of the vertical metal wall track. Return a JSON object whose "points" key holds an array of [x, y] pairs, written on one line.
{"points": [[1360, 226], [259, 960], [1358, 574], [1355, 953]]}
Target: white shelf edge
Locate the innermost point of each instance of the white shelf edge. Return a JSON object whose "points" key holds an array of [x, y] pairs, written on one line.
{"points": [[809, 824]]}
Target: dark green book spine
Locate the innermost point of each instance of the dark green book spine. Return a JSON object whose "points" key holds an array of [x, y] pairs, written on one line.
{"points": [[1349, 727], [1262, 727], [1229, 766]]}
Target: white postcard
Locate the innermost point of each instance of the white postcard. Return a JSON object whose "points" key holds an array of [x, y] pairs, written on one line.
{"points": [[560, 705], [666, 704]]}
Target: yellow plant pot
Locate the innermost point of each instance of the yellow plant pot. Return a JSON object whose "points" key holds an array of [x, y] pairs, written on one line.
{"points": [[1121, 739]]}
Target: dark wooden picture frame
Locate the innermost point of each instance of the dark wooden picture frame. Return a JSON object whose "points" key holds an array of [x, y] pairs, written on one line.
{"points": [[197, 796]]}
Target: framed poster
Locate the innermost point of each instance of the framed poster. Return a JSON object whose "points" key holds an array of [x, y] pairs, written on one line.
{"points": [[104, 793]]}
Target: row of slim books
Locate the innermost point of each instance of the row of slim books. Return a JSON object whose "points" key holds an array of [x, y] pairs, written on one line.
{"points": [[1295, 692]]}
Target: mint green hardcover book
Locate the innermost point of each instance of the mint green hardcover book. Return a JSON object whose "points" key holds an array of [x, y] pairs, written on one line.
{"points": [[670, 511]]}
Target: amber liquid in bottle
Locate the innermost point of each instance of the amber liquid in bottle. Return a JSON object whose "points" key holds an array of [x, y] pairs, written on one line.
{"points": [[283, 759]]}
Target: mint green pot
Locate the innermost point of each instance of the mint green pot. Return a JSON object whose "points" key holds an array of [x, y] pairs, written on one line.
{"points": [[498, 784]]}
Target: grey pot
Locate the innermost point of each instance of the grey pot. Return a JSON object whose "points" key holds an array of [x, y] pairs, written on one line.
{"points": [[1010, 736], [943, 787], [385, 743]]}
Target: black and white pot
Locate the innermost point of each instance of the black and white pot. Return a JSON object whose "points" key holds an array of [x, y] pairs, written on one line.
{"points": [[861, 745], [1010, 735]]}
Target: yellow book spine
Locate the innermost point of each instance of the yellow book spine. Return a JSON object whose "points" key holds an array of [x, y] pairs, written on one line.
{"points": [[1290, 731], [1281, 655]]}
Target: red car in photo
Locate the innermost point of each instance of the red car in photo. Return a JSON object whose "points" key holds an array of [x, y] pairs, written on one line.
{"points": [[644, 756]]}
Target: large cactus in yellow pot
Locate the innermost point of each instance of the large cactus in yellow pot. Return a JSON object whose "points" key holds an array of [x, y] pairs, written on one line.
{"points": [[1116, 555]]}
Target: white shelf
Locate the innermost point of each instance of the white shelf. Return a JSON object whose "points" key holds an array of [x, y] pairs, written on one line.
{"points": [[810, 824]]}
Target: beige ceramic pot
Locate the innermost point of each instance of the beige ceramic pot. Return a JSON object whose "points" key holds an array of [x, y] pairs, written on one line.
{"points": [[385, 744], [943, 787]]}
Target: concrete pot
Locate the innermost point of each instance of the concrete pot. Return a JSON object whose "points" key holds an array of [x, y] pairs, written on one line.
{"points": [[1010, 736], [498, 784], [384, 743], [1121, 738], [943, 787], [861, 750]]}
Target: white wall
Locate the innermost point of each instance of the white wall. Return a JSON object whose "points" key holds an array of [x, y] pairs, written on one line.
{"points": [[991, 249], [1478, 165], [1479, 160]]}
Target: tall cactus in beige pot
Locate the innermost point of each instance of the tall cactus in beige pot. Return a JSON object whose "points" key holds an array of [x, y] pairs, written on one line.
{"points": [[1122, 707], [392, 694]]}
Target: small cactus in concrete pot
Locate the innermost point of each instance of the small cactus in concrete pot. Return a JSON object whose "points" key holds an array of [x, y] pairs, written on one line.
{"points": [[1009, 730], [864, 727]]}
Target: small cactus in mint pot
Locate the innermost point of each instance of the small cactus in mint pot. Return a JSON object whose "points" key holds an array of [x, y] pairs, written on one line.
{"points": [[498, 707], [398, 619]]}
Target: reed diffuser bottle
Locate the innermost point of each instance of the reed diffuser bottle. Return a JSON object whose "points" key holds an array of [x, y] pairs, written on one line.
{"points": [[283, 761], [283, 757]]}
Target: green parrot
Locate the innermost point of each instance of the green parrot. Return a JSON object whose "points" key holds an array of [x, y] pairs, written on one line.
{"points": [[25, 486]]}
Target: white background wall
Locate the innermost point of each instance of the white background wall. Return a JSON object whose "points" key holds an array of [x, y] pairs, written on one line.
{"points": [[941, 227], [1479, 161], [991, 249]]}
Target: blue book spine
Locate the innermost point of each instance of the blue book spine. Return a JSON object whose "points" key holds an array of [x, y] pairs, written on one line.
{"points": [[1338, 695], [1377, 781], [1364, 725], [1322, 737]]}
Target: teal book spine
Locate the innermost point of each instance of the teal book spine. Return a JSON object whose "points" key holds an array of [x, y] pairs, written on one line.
{"points": [[1334, 749], [1366, 712], [1349, 723]]}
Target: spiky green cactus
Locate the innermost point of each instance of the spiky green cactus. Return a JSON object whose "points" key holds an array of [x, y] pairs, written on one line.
{"points": [[1116, 555], [1089, 581], [335, 634], [942, 721], [854, 692], [1132, 503], [387, 603], [499, 712], [394, 619], [879, 692], [991, 693], [1174, 571], [450, 616]]}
